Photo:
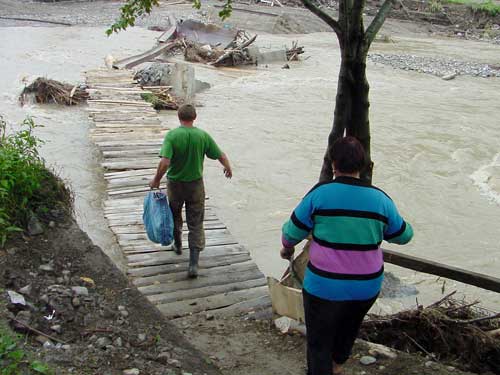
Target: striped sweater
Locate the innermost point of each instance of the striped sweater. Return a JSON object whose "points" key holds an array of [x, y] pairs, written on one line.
{"points": [[348, 219]]}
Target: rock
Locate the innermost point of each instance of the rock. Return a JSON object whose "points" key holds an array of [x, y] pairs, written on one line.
{"points": [[35, 228], [16, 298], [12, 251], [56, 328], [26, 290], [118, 342], [131, 371], [124, 313], [52, 224], [286, 66], [80, 290], [174, 362], [46, 268], [448, 77], [381, 351], [48, 345], [209, 317], [141, 337], [367, 360], [41, 339], [66, 347], [121, 308], [163, 357], [75, 302], [102, 342], [44, 298], [186, 373]]}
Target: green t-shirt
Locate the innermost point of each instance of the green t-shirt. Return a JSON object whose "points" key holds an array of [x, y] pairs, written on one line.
{"points": [[186, 148]]}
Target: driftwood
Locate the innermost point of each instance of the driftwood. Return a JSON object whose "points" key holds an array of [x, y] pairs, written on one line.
{"points": [[50, 91], [237, 52], [448, 331], [293, 53]]}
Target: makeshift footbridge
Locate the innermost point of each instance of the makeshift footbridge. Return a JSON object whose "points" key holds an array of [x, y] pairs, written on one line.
{"points": [[129, 134]]}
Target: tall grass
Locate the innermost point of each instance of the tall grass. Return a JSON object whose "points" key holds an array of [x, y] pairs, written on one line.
{"points": [[27, 187]]}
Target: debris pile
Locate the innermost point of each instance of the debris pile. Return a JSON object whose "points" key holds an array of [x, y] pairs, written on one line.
{"points": [[448, 331], [161, 98], [293, 53], [50, 91]]}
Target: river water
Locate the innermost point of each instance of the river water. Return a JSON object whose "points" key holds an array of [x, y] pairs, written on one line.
{"points": [[434, 142]]}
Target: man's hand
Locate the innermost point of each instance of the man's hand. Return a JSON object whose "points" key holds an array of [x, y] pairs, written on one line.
{"points": [[153, 184], [228, 172], [287, 252]]}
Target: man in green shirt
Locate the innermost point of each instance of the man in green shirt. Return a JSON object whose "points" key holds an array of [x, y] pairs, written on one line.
{"points": [[182, 156]]}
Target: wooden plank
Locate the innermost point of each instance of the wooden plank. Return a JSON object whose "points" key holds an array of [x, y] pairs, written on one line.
{"points": [[132, 61], [209, 241], [127, 229], [205, 273], [186, 307], [141, 103], [219, 234], [130, 144], [442, 270], [133, 125], [138, 220], [168, 257], [146, 171], [181, 295], [183, 282], [207, 262]]}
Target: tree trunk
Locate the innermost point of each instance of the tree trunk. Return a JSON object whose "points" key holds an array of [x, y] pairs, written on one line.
{"points": [[351, 106]]}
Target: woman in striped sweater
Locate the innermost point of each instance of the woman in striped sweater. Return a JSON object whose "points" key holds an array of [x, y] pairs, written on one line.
{"points": [[348, 219]]}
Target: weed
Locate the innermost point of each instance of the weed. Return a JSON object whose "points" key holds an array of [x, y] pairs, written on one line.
{"points": [[435, 6], [488, 6], [27, 187], [13, 360]]}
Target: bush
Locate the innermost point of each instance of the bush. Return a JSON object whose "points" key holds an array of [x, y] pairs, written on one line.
{"points": [[27, 187]]}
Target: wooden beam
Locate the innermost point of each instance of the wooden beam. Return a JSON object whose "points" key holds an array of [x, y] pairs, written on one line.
{"points": [[442, 270]]}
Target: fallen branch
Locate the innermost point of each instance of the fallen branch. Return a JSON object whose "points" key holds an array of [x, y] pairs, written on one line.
{"points": [[34, 330]]}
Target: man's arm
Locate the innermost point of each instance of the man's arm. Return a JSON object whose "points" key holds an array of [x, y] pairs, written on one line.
{"points": [[160, 172], [228, 172]]}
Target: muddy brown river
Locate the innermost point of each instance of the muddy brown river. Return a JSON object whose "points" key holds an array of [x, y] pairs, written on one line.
{"points": [[435, 142]]}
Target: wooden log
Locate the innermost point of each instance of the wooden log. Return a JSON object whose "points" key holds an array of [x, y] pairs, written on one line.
{"points": [[186, 307], [140, 172], [129, 229], [212, 234], [442, 270]]}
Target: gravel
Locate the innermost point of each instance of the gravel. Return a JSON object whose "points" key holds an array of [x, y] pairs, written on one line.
{"points": [[436, 66]]}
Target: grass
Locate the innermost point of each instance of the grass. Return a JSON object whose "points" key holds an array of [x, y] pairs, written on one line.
{"points": [[13, 359], [487, 6], [27, 187]]}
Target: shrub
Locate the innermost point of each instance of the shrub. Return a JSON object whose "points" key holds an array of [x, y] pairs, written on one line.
{"points": [[27, 187]]}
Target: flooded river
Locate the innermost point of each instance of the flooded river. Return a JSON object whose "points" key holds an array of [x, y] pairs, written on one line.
{"points": [[434, 142]]}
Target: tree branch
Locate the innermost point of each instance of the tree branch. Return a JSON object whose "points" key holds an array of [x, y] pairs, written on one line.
{"points": [[377, 22], [329, 20]]}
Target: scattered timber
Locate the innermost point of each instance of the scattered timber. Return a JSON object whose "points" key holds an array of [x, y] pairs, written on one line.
{"points": [[51, 91]]}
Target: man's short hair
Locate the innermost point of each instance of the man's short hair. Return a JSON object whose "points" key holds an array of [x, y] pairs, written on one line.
{"points": [[348, 155], [186, 112]]}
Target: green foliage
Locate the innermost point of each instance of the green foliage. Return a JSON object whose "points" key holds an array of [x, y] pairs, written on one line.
{"points": [[435, 6], [13, 359], [137, 8], [488, 6], [26, 186]]}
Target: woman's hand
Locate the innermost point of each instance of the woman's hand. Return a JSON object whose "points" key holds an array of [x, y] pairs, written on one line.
{"points": [[287, 252]]}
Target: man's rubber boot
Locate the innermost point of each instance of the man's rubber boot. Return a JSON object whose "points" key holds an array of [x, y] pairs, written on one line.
{"points": [[193, 263], [177, 248]]}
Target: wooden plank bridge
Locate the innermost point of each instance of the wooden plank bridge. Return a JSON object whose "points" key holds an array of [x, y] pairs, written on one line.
{"points": [[129, 134]]}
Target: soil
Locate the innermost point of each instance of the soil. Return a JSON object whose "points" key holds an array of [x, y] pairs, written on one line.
{"points": [[111, 329]]}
